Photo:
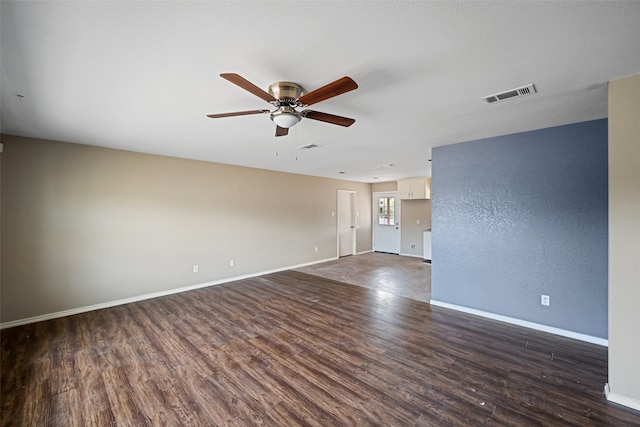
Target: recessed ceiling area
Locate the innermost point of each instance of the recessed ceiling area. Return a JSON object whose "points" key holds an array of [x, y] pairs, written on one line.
{"points": [[142, 76]]}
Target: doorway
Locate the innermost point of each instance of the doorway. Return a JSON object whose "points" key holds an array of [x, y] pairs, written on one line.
{"points": [[386, 218], [346, 223]]}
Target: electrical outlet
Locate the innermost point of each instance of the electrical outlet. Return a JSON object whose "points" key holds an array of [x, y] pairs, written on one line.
{"points": [[316, 249], [544, 300], [195, 268], [231, 263]]}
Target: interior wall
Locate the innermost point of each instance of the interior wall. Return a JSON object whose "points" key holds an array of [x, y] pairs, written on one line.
{"points": [[522, 215], [382, 187], [416, 217], [624, 241], [84, 225]]}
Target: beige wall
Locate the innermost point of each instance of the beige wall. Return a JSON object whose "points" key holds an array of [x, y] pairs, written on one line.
{"points": [[381, 187], [624, 241], [84, 225], [413, 211]]}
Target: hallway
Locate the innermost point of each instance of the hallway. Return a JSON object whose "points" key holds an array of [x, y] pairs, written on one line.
{"points": [[403, 276]]}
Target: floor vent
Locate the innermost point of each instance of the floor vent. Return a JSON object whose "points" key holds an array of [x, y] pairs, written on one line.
{"points": [[513, 93]]}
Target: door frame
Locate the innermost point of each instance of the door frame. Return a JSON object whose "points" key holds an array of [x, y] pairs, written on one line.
{"points": [[354, 221], [374, 218]]}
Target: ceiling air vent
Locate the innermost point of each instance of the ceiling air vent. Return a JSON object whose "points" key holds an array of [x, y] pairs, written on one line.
{"points": [[513, 93], [308, 146]]}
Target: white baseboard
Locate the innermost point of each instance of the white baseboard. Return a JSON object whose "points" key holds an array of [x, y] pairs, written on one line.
{"points": [[621, 400], [412, 255], [363, 252], [526, 324], [137, 298]]}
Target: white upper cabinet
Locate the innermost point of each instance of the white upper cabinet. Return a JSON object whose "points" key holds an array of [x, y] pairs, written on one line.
{"points": [[415, 188]]}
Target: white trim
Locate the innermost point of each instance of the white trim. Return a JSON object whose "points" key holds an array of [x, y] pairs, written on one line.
{"points": [[374, 217], [364, 252], [621, 400], [412, 255], [114, 303], [526, 324], [354, 221]]}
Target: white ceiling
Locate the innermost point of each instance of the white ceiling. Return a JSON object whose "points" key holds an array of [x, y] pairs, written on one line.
{"points": [[142, 75]]}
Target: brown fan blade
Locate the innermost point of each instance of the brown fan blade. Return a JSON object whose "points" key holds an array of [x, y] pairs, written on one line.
{"points": [[237, 113], [281, 131], [328, 118], [248, 86], [336, 88]]}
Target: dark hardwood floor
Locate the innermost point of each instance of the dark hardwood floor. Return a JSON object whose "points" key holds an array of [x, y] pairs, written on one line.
{"points": [[294, 349]]}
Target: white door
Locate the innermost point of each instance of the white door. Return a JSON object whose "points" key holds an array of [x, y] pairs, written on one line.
{"points": [[386, 218], [346, 223]]}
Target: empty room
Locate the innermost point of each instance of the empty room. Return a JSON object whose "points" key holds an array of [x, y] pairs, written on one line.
{"points": [[319, 213]]}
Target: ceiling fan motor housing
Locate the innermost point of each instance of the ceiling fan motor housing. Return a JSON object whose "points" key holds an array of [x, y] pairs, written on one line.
{"points": [[288, 92]]}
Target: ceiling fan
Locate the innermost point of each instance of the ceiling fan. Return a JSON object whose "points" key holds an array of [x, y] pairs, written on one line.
{"points": [[286, 97]]}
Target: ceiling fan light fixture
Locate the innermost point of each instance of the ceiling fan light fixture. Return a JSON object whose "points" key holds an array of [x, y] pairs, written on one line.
{"points": [[286, 97], [285, 117]]}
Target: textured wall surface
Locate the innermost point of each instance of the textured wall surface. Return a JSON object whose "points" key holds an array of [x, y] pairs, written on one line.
{"points": [[522, 215]]}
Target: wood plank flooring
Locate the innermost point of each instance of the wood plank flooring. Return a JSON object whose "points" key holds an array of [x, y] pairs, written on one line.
{"points": [[294, 349], [404, 276]]}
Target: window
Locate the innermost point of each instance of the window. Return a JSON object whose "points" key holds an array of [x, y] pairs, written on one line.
{"points": [[386, 211]]}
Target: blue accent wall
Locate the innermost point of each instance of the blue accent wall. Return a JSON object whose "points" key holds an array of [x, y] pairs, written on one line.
{"points": [[521, 215]]}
